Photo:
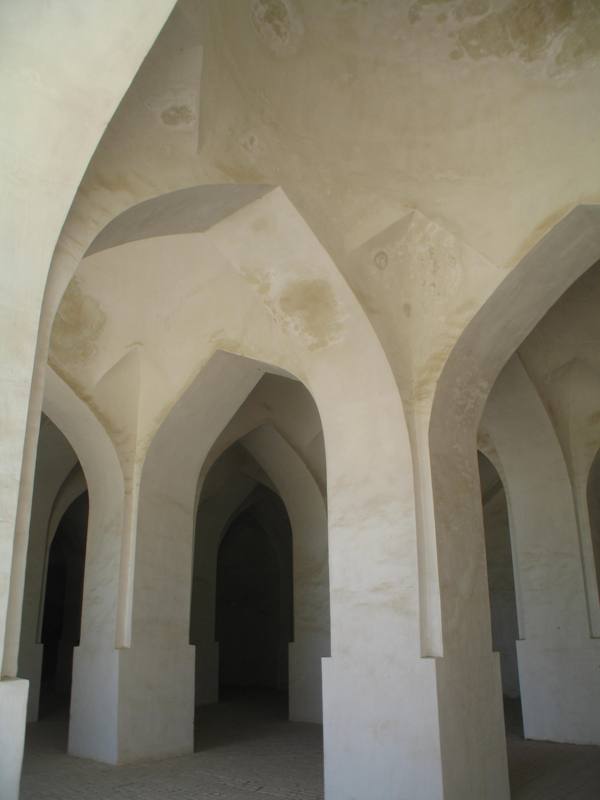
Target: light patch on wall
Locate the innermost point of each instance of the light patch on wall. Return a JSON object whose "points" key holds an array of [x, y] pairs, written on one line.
{"points": [[243, 164], [311, 310], [381, 259], [260, 279], [415, 12], [240, 173], [563, 33], [351, 4], [77, 327], [427, 374], [279, 25], [176, 109], [252, 144], [306, 308]]}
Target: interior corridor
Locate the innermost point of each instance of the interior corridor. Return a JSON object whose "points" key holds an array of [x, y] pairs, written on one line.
{"points": [[245, 748]]}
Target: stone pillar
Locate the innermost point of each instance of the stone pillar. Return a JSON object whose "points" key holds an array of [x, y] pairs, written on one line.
{"points": [[42, 167], [93, 729], [380, 697], [156, 673], [457, 621], [13, 702], [156, 681], [468, 688]]}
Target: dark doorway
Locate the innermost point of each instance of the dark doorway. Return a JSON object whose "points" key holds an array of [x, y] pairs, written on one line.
{"points": [[501, 585], [61, 625], [254, 607]]}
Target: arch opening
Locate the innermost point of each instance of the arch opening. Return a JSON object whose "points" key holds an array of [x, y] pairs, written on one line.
{"points": [[501, 586], [484, 351], [539, 424], [61, 625], [254, 604], [165, 391], [53, 589], [257, 479], [593, 505], [258, 616]]}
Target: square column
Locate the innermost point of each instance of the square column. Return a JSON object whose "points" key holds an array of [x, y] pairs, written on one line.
{"points": [[381, 732], [13, 702], [560, 690]]}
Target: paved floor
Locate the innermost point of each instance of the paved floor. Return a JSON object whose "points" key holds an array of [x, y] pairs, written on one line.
{"points": [[547, 770], [247, 749]]}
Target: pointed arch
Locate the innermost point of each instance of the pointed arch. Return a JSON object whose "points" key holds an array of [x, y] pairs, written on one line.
{"points": [[470, 371], [306, 510], [94, 721], [283, 303]]}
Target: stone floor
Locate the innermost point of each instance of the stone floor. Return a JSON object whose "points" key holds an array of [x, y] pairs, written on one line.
{"points": [[547, 770], [246, 748]]}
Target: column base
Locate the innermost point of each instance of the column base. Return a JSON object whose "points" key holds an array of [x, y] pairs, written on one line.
{"points": [[305, 678], [93, 726], [207, 673], [13, 712], [132, 704], [30, 668], [560, 690], [472, 734], [380, 729], [156, 701]]}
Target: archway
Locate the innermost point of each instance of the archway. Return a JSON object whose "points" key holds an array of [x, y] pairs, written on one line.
{"points": [[469, 373], [501, 582], [79, 611], [61, 620], [254, 602], [57, 468], [276, 299], [239, 505], [231, 517], [272, 448], [263, 471], [593, 505], [93, 719], [541, 418]]}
